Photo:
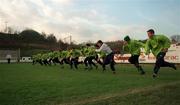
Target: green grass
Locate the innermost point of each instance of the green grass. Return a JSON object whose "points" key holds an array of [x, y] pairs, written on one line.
{"points": [[25, 84], [163, 95]]}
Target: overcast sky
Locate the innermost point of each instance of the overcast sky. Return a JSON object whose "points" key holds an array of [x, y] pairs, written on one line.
{"points": [[93, 19]]}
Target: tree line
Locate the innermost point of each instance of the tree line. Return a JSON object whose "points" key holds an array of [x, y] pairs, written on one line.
{"points": [[31, 41]]}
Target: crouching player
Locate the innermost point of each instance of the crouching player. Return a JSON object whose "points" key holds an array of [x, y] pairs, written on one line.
{"points": [[90, 53], [45, 59], [65, 58], [92, 56], [74, 57], [37, 59], [133, 47], [109, 58]]}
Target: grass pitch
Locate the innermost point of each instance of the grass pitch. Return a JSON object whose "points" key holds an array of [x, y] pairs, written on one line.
{"points": [[27, 84]]}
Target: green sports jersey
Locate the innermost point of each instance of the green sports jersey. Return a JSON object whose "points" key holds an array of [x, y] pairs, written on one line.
{"points": [[50, 55], [39, 56], [69, 53], [75, 53], [64, 54], [82, 52], [44, 56], [156, 44], [92, 51], [89, 51], [56, 54], [85, 52], [59, 55], [35, 57], [133, 47], [101, 54]]}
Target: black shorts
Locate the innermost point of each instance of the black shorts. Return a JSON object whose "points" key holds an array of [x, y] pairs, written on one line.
{"points": [[134, 59]]}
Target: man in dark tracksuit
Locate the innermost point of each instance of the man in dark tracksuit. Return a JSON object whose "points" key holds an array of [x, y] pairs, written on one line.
{"points": [[159, 45], [109, 58], [134, 48]]}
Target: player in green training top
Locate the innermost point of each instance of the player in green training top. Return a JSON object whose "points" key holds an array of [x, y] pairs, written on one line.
{"points": [[134, 48], [65, 57], [37, 59], [159, 45], [85, 52], [90, 54], [74, 57], [45, 59]]}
